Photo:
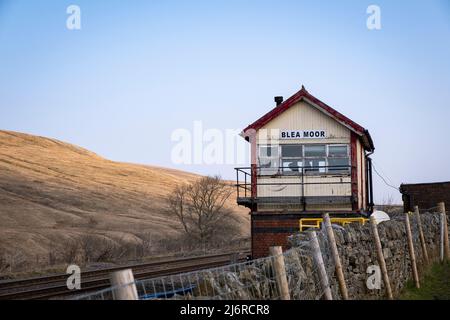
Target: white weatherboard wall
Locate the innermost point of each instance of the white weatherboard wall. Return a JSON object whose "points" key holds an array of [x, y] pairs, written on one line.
{"points": [[310, 190], [303, 116]]}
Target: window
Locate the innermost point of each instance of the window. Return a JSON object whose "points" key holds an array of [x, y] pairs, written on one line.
{"points": [[291, 157], [268, 160], [292, 151], [337, 164], [315, 158], [268, 166], [338, 160], [268, 151], [315, 165], [292, 165], [309, 158], [337, 151], [315, 151]]}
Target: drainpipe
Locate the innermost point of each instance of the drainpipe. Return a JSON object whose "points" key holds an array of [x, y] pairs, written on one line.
{"points": [[369, 171]]}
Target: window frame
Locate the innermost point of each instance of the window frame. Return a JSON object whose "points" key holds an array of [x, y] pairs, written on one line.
{"points": [[292, 144], [316, 144], [287, 171], [276, 146], [347, 170], [279, 159], [338, 145], [269, 171]]}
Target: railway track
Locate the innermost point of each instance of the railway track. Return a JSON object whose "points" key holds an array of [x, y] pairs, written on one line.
{"points": [[54, 286]]}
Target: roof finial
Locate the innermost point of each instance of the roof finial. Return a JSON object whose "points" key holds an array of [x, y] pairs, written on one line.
{"points": [[303, 88]]}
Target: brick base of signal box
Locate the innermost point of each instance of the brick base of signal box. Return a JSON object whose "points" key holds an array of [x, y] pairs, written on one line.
{"points": [[271, 230]]}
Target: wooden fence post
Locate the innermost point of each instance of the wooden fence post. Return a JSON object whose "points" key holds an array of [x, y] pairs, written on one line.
{"points": [[280, 272], [124, 287], [317, 254], [444, 232], [422, 238], [337, 260], [411, 250], [380, 256], [441, 237]]}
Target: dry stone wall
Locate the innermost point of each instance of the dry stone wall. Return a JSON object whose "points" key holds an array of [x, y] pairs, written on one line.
{"points": [[357, 252]]}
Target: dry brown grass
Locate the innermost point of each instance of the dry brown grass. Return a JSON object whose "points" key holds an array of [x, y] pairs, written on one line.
{"points": [[53, 194]]}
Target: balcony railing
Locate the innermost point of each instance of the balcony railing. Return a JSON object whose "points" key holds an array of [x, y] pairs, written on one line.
{"points": [[314, 182]]}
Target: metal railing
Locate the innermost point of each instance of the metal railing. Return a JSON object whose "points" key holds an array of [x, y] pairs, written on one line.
{"points": [[244, 177], [316, 223]]}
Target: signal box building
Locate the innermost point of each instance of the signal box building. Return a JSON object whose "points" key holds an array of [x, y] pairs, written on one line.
{"points": [[307, 159]]}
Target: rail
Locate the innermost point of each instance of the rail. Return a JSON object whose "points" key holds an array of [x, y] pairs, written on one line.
{"points": [[244, 179], [316, 223], [54, 286]]}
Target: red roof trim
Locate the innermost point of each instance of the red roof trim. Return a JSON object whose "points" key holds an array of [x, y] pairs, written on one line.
{"points": [[303, 94]]}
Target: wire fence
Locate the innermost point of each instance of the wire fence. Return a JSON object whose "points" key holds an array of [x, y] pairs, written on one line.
{"points": [[259, 279], [415, 233], [250, 280]]}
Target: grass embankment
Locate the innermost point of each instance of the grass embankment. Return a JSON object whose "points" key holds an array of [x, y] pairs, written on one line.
{"points": [[435, 284]]}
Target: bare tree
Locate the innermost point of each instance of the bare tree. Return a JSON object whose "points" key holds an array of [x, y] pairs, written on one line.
{"points": [[200, 209], [70, 251]]}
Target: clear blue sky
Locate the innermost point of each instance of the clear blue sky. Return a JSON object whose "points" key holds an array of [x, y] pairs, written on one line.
{"points": [[137, 70]]}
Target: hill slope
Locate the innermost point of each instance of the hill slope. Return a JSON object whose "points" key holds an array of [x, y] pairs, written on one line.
{"points": [[51, 191]]}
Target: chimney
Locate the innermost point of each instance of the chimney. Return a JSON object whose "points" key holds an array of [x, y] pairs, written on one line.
{"points": [[278, 100]]}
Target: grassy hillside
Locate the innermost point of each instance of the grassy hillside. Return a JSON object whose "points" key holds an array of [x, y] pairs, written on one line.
{"points": [[51, 191]]}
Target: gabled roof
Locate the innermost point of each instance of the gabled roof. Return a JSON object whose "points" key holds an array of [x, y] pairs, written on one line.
{"points": [[321, 106]]}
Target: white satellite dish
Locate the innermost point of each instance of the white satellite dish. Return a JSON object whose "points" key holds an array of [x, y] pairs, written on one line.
{"points": [[380, 216]]}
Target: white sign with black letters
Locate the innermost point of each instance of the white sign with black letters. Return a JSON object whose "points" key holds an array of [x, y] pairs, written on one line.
{"points": [[303, 134]]}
